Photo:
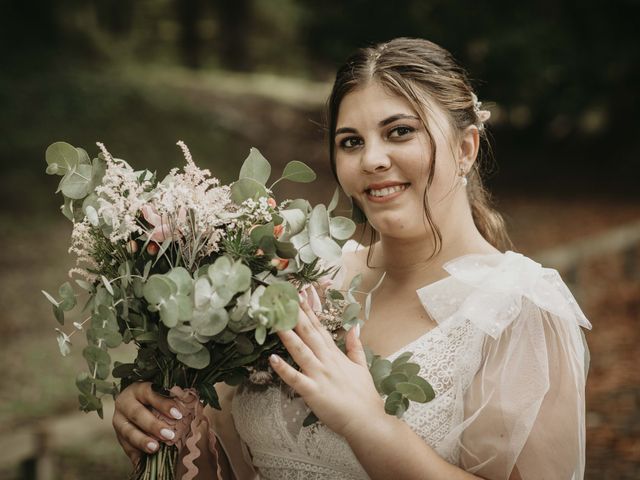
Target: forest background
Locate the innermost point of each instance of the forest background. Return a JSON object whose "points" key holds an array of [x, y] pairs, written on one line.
{"points": [[560, 78]]}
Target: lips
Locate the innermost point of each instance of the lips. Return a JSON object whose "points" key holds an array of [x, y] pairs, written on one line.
{"points": [[385, 190]]}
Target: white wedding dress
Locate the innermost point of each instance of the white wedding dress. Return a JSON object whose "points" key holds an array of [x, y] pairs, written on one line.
{"points": [[507, 362]]}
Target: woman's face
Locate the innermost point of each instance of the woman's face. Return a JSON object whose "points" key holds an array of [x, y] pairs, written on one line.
{"points": [[382, 161]]}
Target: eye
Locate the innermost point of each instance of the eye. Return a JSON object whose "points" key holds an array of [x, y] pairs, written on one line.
{"points": [[350, 142], [400, 131]]}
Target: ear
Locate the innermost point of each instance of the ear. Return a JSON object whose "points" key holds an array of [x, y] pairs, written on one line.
{"points": [[468, 147]]}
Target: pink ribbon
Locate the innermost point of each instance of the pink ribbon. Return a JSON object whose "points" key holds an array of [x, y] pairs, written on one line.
{"points": [[188, 430]]}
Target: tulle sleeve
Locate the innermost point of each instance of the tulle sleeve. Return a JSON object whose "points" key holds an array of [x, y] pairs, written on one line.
{"points": [[524, 409]]}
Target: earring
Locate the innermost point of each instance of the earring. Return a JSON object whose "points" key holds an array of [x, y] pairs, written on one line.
{"points": [[357, 215], [463, 177]]}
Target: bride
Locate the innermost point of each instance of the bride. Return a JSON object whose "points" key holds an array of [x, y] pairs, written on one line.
{"points": [[497, 335]]}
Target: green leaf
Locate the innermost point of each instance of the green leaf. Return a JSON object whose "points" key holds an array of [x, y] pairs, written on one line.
{"points": [[334, 200], [84, 383], [296, 220], [380, 369], [63, 342], [98, 360], [198, 360], [49, 297], [210, 322], [246, 188], [281, 302], [285, 249], [111, 338], [325, 248], [393, 404], [107, 284], [76, 184], [158, 288], [64, 156], [261, 334], [59, 314], [425, 386], [411, 391], [296, 171], [401, 359], [181, 340], [341, 228], [244, 345], [202, 292], [261, 231], [409, 369], [388, 385], [351, 312], [182, 278], [169, 313], [256, 167]]}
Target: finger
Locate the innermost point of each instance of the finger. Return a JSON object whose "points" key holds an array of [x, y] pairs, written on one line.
{"points": [[355, 350], [133, 407], [309, 333], [315, 322], [131, 438], [300, 351], [302, 384]]}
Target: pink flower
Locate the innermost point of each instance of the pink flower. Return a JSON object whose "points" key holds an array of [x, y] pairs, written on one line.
{"points": [[161, 225]]}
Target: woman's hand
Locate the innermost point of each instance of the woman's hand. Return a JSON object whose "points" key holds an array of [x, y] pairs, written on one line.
{"points": [[137, 428], [337, 387]]}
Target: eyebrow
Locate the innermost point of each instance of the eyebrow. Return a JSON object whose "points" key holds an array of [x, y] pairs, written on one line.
{"points": [[382, 123]]}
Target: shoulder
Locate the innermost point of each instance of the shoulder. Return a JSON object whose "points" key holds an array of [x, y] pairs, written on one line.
{"points": [[490, 291]]}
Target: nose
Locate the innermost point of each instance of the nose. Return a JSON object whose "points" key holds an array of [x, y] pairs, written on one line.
{"points": [[374, 158]]}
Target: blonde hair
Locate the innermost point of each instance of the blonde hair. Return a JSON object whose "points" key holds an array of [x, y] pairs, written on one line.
{"points": [[423, 72]]}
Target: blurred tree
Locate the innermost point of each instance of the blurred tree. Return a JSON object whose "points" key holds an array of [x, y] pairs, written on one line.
{"points": [[189, 12], [234, 23], [115, 17]]}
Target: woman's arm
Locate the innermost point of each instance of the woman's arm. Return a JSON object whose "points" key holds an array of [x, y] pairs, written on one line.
{"points": [[386, 447]]}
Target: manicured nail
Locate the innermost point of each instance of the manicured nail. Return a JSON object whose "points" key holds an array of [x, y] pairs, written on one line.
{"points": [[358, 330], [152, 446], [275, 359], [168, 434], [175, 413]]}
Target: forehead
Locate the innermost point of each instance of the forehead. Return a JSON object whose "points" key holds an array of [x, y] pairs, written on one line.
{"points": [[371, 103]]}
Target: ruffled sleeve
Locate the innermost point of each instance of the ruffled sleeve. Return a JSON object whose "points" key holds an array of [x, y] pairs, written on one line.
{"points": [[524, 408]]}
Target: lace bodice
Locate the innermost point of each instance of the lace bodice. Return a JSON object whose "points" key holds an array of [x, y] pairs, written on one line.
{"points": [[453, 357]]}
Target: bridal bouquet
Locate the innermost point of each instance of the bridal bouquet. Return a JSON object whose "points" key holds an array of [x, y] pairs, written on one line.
{"points": [[200, 276]]}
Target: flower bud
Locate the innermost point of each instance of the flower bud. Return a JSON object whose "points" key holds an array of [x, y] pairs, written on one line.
{"points": [[153, 248], [272, 202], [280, 263], [277, 230], [132, 246]]}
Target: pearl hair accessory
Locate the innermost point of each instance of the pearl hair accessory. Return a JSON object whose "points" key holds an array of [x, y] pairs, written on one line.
{"points": [[483, 115]]}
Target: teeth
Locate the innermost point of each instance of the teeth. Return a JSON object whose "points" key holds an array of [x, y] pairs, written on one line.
{"points": [[387, 191]]}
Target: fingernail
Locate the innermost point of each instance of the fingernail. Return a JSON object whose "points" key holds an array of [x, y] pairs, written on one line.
{"points": [[275, 359], [358, 330], [152, 446], [168, 434], [175, 413]]}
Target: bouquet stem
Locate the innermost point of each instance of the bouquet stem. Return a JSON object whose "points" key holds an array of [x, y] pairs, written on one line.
{"points": [[159, 466]]}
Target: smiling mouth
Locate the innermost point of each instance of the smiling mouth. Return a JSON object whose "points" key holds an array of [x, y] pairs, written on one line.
{"points": [[386, 191]]}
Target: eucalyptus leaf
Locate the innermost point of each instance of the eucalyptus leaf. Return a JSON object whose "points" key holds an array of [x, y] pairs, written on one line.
{"points": [[261, 231], [261, 334], [411, 391], [182, 340], [247, 188], [202, 292], [98, 361], [198, 360], [182, 278], [296, 220], [393, 403], [325, 248], [64, 343], [425, 386], [388, 385], [409, 369], [76, 183], [296, 171], [341, 228], [63, 155], [256, 167], [158, 288], [401, 359], [210, 322], [169, 313], [334, 200], [49, 297], [380, 369]]}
